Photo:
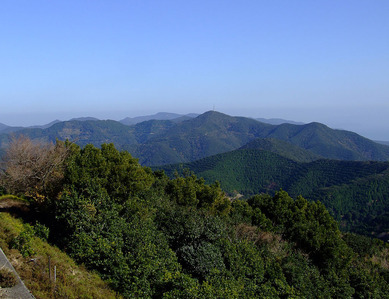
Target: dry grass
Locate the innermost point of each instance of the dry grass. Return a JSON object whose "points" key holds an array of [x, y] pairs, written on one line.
{"points": [[7, 278], [72, 280], [381, 259], [273, 241]]}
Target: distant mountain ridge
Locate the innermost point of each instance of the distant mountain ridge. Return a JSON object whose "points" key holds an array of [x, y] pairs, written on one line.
{"points": [[278, 121], [3, 126], [157, 142], [382, 142], [158, 116]]}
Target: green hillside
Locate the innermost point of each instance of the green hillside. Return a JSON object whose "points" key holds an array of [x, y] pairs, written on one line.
{"points": [[149, 236], [329, 143], [21, 242], [158, 142], [355, 192], [283, 148], [208, 134], [82, 132], [214, 132]]}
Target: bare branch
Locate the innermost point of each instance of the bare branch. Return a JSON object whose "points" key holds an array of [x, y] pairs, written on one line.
{"points": [[33, 168]]}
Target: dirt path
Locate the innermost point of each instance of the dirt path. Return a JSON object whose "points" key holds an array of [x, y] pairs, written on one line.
{"points": [[7, 203], [19, 291]]}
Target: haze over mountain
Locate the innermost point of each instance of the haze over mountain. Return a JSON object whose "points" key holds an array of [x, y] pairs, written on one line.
{"points": [[278, 121], [118, 63], [157, 142], [157, 116]]}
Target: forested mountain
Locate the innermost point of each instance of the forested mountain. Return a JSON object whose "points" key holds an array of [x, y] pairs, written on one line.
{"points": [[205, 135], [159, 116], [278, 121], [383, 142], [157, 142], [3, 126], [8, 129], [283, 148], [81, 132], [356, 192], [149, 236], [329, 143], [4, 129]]}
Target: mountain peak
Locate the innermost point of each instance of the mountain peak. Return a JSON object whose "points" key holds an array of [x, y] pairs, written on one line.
{"points": [[212, 114]]}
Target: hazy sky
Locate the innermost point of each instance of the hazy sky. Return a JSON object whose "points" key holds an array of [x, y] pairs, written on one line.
{"points": [[325, 61]]}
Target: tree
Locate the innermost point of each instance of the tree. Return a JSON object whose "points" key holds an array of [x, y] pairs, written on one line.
{"points": [[115, 171], [33, 168]]}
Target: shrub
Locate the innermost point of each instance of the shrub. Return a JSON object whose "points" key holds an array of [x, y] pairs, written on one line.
{"points": [[41, 231], [23, 241], [7, 278]]}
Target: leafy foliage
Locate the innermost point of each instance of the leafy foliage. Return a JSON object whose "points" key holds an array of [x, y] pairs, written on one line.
{"points": [[23, 242], [151, 236], [355, 192], [72, 281]]}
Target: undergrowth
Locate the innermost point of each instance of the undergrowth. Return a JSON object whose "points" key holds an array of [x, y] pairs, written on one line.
{"points": [[7, 278], [63, 279]]}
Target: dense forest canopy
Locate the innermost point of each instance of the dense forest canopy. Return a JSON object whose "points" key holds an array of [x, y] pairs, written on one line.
{"points": [[151, 236], [355, 192]]}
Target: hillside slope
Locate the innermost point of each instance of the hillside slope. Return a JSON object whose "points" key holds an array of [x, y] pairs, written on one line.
{"points": [[72, 281], [157, 142], [283, 148], [329, 143], [356, 192]]}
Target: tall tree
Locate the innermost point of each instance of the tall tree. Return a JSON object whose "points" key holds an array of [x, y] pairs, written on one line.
{"points": [[33, 168]]}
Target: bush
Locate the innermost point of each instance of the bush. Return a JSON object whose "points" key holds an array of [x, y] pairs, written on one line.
{"points": [[41, 231], [7, 278], [23, 241]]}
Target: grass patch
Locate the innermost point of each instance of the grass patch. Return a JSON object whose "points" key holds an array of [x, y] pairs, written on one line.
{"points": [[71, 280], [12, 197]]}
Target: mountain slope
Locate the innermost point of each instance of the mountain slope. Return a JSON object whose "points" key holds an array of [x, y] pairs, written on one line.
{"points": [[3, 126], [356, 192], [83, 132], [158, 116], [157, 142], [278, 121], [283, 148], [208, 134], [72, 280], [329, 143], [213, 132]]}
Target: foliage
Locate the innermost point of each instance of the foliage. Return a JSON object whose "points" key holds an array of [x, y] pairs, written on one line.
{"points": [[72, 281], [7, 278], [41, 231], [151, 236], [23, 242], [116, 172], [356, 193], [191, 191]]}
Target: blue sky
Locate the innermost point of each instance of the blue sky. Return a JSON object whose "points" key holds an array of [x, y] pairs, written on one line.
{"points": [[325, 61]]}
